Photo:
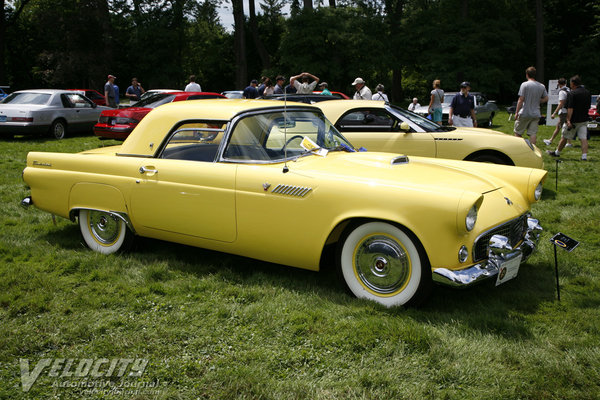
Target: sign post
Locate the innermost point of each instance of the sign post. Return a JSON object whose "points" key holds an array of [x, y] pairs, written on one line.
{"points": [[569, 244]]}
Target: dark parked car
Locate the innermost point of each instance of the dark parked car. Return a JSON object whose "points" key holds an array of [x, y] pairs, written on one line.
{"points": [[117, 123], [309, 98], [484, 109]]}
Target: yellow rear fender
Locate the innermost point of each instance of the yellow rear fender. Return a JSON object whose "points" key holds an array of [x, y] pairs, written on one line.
{"points": [[97, 196]]}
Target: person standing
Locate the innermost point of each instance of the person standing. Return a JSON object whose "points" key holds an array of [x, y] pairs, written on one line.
{"points": [[527, 115], [251, 92], [279, 85], [304, 87], [578, 103], [435, 102], [462, 108], [380, 96], [135, 91], [269, 89], [193, 86], [324, 89], [413, 106], [561, 110], [362, 91], [109, 91]]}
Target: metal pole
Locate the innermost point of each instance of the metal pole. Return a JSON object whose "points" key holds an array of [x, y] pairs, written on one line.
{"points": [[556, 271], [556, 183]]}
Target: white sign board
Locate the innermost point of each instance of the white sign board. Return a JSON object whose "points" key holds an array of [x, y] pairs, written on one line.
{"points": [[552, 102]]}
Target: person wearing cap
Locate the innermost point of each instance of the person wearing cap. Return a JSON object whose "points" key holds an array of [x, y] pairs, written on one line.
{"points": [[251, 92], [324, 90], [380, 96], [362, 91], [413, 106], [304, 87], [462, 108], [109, 92], [279, 85]]}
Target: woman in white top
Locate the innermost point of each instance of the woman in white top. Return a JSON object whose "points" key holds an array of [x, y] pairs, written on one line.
{"points": [[380, 96], [435, 104]]}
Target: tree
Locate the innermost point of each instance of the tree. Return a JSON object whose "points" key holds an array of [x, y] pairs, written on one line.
{"points": [[239, 37]]}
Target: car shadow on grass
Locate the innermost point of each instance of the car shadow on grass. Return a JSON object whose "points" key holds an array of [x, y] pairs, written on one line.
{"points": [[485, 308]]}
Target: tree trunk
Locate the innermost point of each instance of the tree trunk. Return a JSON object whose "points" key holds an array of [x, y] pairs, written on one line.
{"points": [[239, 39], [332, 3], [308, 5], [265, 58], [3, 80], [539, 40]]}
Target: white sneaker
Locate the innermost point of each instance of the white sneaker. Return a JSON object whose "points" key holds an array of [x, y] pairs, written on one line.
{"points": [[547, 142], [569, 145]]}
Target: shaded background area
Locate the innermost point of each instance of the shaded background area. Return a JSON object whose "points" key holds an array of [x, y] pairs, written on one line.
{"points": [[404, 44]]}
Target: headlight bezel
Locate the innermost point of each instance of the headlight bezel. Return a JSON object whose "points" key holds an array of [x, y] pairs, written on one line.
{"points": [[537, 192], [471, 218]]}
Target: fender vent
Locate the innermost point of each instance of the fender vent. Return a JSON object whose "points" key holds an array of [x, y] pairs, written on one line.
{"points": [[399, 160], [288, 190], [448, 139]]}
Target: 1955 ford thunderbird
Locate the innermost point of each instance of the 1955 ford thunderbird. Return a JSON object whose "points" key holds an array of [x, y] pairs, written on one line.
{"points": [[279, 183]]}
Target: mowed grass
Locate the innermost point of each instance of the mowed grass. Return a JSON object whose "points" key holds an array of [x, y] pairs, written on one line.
{"points": [[218, 326]]}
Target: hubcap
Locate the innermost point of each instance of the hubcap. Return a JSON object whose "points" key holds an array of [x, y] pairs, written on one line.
{"points": [[104, 227], [59, 131], [382, 264]]}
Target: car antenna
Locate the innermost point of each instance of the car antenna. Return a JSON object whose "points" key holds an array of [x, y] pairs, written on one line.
{"points": [[285, 166]]}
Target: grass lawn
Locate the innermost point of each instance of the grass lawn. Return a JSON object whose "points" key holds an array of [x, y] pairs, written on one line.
{"points": [[212, 325]]}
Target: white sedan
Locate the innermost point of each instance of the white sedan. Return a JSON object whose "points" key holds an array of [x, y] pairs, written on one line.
{"points": [[53, 111]]}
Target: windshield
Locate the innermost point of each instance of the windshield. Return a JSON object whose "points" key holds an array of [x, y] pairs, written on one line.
{"points": [[448, 99], [273, 136], [155, 100], [27, 98], [422, 122]]}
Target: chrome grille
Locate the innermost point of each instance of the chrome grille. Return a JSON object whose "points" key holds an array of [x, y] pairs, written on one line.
{"points": [[514, 230], [289, 190]]}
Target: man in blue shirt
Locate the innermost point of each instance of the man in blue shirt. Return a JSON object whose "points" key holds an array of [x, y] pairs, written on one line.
{"points": [[462, 108], [135, 91], [251, 92]]}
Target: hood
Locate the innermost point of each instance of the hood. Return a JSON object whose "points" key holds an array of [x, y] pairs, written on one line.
{"points": [[393, 170]]}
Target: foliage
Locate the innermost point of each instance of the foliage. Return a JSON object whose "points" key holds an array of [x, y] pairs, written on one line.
{"points": [[214, 325], [404, 44]]}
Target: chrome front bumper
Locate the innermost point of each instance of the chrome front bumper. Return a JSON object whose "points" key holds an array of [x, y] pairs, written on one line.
{"points": [[499, 252]]}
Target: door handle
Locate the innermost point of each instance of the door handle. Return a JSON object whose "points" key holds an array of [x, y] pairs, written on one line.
{"points": [[143, 170]]}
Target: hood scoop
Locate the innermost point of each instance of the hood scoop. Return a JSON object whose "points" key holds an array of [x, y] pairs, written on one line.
{"points": [[399, 160]]}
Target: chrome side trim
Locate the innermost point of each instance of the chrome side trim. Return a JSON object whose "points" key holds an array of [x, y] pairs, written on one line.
{"points": [[121, 215], [298, 191], [498, 253]]}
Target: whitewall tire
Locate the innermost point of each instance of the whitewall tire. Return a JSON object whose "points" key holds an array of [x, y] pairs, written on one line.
{"points": [[380, 262], [104, 232]]}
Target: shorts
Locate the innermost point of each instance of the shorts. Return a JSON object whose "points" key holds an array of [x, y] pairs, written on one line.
{"points": [[437, 115], [529, 124], [579, 129]]}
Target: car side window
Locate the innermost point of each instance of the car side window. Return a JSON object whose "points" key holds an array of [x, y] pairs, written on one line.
{"points": [[75, 100], [375, 120], [197, 141]]}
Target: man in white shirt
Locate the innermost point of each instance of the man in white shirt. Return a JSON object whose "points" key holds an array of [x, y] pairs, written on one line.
{"points": [[304, 87], [362, 91], [413, 106], [193, 86]]}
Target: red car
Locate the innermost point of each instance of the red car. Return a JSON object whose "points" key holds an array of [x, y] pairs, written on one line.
{"points": [[93, 95], [335, 94], [117, 123]]}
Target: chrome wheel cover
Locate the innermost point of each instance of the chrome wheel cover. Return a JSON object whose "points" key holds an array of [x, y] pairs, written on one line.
{"points": [[59, 131], [382, 264], [105, 227]]}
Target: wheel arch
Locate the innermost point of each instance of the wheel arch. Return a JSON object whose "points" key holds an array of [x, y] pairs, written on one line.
{"points": [[344, 227], [99, 197], [490, 152]]}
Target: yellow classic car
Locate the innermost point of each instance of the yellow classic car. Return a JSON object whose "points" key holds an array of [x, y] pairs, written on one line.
{"points": [[378, 126], [279, 183]]}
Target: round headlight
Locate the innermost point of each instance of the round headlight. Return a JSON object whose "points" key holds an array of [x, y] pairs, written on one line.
{"points": [[471, 218], [538, 191], [463, 253]]}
